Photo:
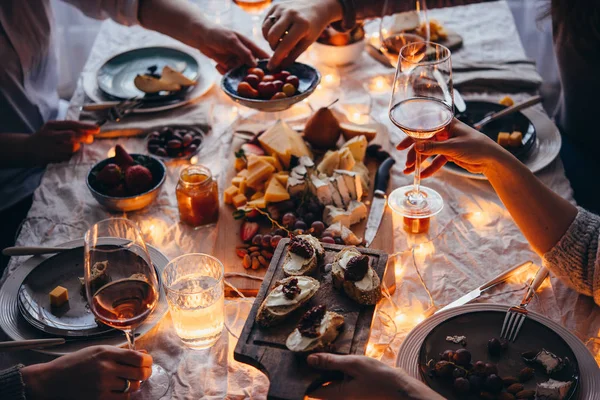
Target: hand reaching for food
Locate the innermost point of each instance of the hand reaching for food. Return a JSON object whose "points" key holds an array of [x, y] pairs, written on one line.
{"points": [[367, 379], [228, 48], [57, 141], [293, 26]]}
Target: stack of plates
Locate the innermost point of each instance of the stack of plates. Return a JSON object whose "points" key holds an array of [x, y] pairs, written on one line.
{"points": [[28, 315]]}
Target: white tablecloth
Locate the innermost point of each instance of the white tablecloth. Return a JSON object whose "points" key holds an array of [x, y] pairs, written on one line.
{"points": [[472, 240]]}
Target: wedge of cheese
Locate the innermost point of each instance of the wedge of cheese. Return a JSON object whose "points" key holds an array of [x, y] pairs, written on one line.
{"points": [[276, 192], [363, 173], [283, 142], [347, 160], [259, 172], [329, 163], [353, 183], [357, 210], [358, 147], [229, 194]]}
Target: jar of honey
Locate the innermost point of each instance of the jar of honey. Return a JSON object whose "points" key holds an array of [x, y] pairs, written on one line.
{"points": [[197, 197], [416, 225]]}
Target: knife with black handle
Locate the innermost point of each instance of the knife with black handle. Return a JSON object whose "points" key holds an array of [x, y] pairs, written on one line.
{"points": [[379, 202]]}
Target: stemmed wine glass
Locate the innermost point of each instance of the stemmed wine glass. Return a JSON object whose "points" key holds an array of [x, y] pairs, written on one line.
{"points": [[421, 106], [398, 29], [122, 285], [255, 8]]}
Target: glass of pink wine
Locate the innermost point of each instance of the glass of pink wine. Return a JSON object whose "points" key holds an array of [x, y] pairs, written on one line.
{"points": [[421, 106], [122, 286]]}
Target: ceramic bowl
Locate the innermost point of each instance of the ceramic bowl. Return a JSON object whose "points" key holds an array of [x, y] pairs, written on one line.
{"points": [[309, 80], [335, 56], [128, 203]]}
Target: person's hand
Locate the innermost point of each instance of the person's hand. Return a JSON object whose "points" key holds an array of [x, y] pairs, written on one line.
{"points": [[367, 378], [458, 143], [97, 372], [293, 26], [56, 141], [228, 48]]}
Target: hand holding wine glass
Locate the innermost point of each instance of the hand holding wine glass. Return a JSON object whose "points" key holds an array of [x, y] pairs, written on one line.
{"points": [[121, 283], [421, 106]]}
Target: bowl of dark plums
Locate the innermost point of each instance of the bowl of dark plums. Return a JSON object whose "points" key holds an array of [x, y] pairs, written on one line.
{"points": [[175, 142], [270, 91]]}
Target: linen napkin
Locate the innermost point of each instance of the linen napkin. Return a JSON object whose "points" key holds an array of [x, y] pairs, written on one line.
{"points": [[194, 114], [506, 76]]}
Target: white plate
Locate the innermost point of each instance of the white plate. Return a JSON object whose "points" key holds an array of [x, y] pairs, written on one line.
{"points": [[15, 326], [544, 151], [408, 355], [206, 80]]}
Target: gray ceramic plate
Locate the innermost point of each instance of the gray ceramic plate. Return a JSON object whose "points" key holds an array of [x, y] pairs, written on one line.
{"points": [[115, 77], [17, 328], [71, 319]]}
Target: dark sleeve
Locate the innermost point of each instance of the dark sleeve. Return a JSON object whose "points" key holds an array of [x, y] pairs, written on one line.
{"points": [[11, 384], [574, 259]]}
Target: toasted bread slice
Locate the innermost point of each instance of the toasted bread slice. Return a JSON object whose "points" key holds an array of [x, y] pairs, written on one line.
{"points": [[170, 75], [294, 265], [367, 290], [315, 243], [150, 84], [330, 328], [276, 307]]}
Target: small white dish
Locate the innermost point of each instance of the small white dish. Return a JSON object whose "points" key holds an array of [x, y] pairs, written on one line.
{"points": [[335, 56]]}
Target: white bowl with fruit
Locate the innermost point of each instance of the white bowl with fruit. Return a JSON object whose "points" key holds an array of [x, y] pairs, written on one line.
{"points": [[335, 49]]}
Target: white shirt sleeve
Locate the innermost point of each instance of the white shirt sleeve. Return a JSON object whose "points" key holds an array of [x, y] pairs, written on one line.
{"points": [[124, 12]]}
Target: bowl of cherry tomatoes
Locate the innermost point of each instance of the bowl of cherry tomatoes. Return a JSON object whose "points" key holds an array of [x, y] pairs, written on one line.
{"points": [[270, 91]]}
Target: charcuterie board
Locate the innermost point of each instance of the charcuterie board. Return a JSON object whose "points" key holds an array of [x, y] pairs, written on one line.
{"points": [[264, 348], [229, 228]]}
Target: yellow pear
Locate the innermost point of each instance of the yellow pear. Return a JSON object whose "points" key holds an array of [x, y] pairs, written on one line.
{"points": [[322, 130]]}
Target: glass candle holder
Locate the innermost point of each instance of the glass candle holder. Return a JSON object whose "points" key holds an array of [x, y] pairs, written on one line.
{"points": [[193, 284], [197, 197]]}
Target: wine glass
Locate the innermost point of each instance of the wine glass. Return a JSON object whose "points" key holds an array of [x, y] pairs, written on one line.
{"points": [[421, 106], [398, 29], [122, 285]]}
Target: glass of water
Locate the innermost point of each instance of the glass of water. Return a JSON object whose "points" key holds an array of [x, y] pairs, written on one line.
{"points": [[194, 287]]}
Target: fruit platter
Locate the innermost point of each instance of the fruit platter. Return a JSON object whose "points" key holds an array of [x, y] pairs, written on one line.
{"points": [[315, 179]]}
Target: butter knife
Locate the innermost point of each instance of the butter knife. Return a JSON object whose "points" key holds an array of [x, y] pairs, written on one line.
{"points": [[379, 200], [473, 294]]}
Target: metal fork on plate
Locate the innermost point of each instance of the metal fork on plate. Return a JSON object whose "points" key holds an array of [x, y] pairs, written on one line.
{"points": [[119, 111], [515, 316]]}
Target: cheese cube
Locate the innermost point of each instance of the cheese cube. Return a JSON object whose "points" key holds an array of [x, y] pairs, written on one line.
{"points": [[507, 101], [239, 200], [229, 194], [336, 197], [243, 186], [296, 186], [243, 173], [516, 139], [353, 183], [282, 177], [237, 181], [504, 139], [340, 185], [59, 296]]}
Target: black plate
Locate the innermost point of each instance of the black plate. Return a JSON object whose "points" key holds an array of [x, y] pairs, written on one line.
{"points": [[477, 110], [73, 319], [481, 326]]}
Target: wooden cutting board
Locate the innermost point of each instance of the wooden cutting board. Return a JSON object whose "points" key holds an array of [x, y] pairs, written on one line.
{"points": [[228, 228], [264, 348]]}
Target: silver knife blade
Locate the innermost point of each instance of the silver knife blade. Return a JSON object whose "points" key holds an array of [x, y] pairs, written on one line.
{"points": [[375, 215], [475, 293]]}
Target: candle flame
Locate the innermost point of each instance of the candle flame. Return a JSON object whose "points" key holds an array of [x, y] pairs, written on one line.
{"points": [[194, 160]]}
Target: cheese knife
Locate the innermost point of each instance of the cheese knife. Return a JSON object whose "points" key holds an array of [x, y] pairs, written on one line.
{"points": [[379, 200], [474, 294]]}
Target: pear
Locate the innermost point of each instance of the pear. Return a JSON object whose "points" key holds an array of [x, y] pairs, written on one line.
{"points": [[149, 84], [169, 75], [322, 130]]}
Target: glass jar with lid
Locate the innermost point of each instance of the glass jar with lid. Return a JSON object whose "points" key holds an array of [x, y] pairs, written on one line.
{"points": [[197, 197]]}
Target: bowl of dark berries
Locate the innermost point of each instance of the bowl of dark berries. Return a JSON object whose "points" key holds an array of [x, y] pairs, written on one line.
{"points": [[175, 142], [126, 182]]}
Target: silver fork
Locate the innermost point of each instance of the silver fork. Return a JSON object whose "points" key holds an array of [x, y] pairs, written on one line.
{"points": [[118, 112], [515, 316]]}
